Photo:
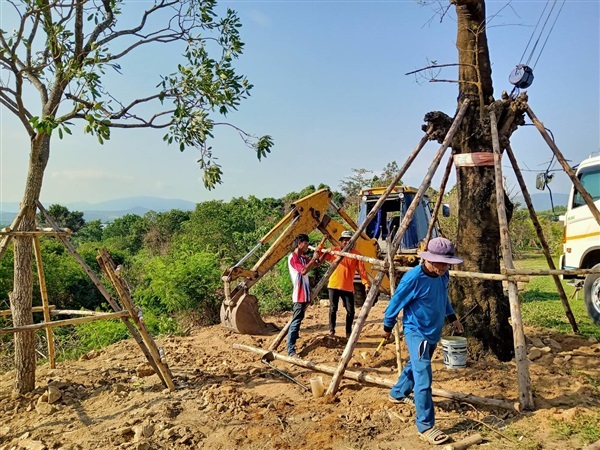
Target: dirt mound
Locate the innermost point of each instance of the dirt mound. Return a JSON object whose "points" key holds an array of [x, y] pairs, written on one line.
{"points": [[228, 398]]}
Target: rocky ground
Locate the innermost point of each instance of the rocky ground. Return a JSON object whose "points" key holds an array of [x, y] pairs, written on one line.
{"points": [[228, 398]]}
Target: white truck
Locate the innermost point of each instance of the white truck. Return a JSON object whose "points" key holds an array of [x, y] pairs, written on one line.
{"points": [[581, 236]]}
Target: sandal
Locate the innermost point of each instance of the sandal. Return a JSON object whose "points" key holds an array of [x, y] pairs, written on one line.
{"points": [[404, 400], [434, 436]]}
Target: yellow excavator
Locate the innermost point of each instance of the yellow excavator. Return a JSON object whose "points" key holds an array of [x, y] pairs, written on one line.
{"points": [[240, 312]]}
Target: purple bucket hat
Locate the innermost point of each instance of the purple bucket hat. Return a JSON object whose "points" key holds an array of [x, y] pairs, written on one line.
{"points": [[440, 250]]}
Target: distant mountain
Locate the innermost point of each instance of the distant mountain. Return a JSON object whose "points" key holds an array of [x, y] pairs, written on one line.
{"points": [[123, 204], [109, 210], [541, 201]]}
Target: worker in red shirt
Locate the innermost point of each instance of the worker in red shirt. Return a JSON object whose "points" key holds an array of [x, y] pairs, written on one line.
{"points": [[341, 284]]}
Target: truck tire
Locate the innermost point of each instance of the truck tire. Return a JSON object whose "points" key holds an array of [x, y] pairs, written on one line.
{"points": [[591, 295], [360, 294]]}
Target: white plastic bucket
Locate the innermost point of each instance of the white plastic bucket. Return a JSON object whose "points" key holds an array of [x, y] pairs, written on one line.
{"points": [[317, 387], [455, 352]]}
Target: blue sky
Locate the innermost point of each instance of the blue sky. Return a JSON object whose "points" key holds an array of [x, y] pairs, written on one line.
{"points": [[330, 88]]}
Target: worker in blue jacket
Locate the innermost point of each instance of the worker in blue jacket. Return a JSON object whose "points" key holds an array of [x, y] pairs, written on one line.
{"points": [[423, 295]]}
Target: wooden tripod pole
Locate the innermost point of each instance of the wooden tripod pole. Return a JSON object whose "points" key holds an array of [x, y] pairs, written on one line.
{"points": [[6, 239], [364, 312], [524, 381], [357, 233], [439, 202], [132, 329], [589, 201], [45, 302], [542, 238], [392, 276]]}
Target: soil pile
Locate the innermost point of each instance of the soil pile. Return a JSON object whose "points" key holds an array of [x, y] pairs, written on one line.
{"points": [[229, 399]]}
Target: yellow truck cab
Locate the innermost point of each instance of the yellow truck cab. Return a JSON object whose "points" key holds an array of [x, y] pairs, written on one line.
{"points": [[581, 236]]}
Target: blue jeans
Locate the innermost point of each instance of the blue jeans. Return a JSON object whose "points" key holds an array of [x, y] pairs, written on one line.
{"points": [[416, 377], [294, 331]]}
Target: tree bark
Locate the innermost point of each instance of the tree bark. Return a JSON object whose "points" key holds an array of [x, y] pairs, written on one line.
{"points": [[20, 297], [478, 238]]}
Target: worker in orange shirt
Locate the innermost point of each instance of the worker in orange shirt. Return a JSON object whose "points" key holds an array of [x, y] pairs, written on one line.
{"points": [[341, 284]]}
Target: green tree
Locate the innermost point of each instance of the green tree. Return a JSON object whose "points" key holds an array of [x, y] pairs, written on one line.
{"points": [[63, 217], [90, 232], [125, 233], [183, 281], [160, 229], [62, 51]]}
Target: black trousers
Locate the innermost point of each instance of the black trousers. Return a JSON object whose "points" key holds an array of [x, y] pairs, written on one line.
{"points": [[348, 302]]}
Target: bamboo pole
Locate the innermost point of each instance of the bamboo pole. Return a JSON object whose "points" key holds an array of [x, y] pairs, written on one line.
{"points": [[347, 354], [439, 202], [34, 233], [76, 312], [542, 238], [589, 201], [392, 277], [15, 223], [544, 272], [8, 312], [107, 265], [357, 233], [362, 377], [349, 255], [593, 446], [524, 381], [45, 302], [381, 265], [465, 443], [58, 323], [130, 326]]}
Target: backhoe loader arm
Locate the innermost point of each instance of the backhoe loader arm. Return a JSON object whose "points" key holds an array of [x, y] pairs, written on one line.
{"points": [[239, 311]]}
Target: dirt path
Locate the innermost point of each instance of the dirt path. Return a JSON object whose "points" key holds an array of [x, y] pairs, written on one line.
{"points": [[229, 399]]}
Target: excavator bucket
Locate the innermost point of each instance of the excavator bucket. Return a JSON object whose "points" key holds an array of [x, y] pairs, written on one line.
{"points": [[242, 317]]}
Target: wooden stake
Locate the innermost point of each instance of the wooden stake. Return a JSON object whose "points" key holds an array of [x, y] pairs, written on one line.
{"points": [[15, 223], [364, 312], [593, 446], [363, 377], [589, 201], [8, 312], [58, 323], [440, 200], [542, 238], [371, 214], [524, 381], [542, 272], [76, 312], [325, 278], [131, 327], [45, 303], [107, 265], [392, 277], [465, 443]]}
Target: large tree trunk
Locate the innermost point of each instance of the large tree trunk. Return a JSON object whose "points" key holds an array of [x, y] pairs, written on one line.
{"points": [[478, 239], [20, 298]]}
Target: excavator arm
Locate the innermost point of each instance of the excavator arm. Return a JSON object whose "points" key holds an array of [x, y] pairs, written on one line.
{"points": [[239, 311]]}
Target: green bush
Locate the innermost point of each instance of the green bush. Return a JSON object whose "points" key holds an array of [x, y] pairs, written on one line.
{"points": [[182, 281], [274, 290]]}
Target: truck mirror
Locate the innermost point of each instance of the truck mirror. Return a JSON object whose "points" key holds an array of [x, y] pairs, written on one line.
{"points": [[540, 181], [446, 209], [561, 218]]}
